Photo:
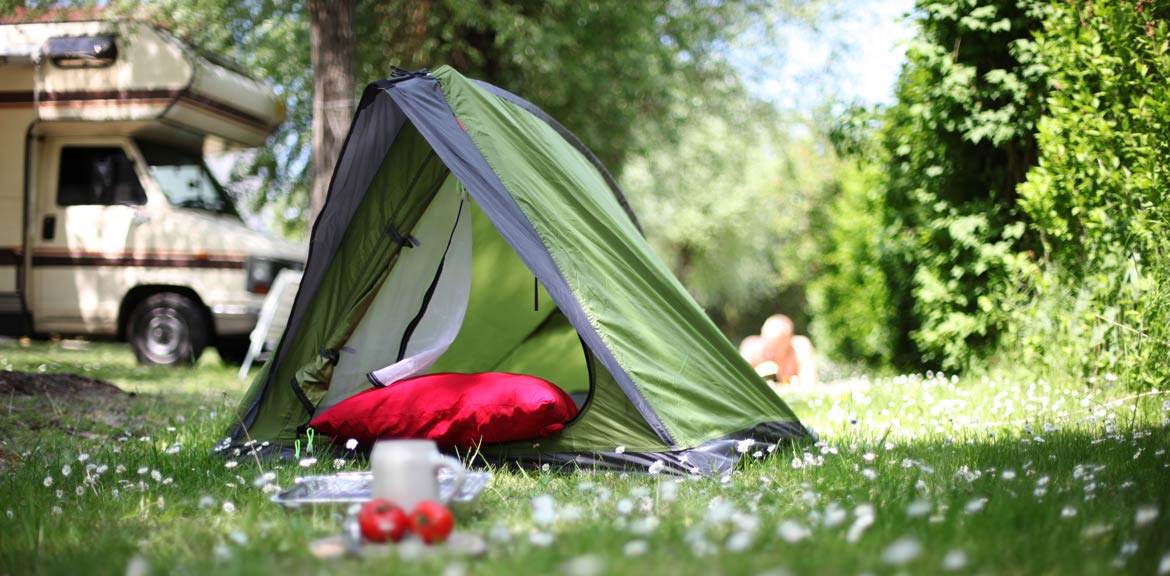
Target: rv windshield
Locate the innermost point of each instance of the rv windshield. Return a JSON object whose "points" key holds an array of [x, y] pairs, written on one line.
{"points": [[184, 179]]}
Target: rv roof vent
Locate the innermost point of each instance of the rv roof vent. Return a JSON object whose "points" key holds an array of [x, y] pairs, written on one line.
{"points": [[82, 51]]}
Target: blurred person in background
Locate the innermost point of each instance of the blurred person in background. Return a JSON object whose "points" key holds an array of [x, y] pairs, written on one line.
{"points": [[780, 353]]}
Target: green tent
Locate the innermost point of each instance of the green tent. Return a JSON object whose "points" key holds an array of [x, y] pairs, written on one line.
{"points": [[467, 231]]}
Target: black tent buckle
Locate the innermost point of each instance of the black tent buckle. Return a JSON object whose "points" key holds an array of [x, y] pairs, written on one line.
{"points": [[407, 241], [331, 355]]}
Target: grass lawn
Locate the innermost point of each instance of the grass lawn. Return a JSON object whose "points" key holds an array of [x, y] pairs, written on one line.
{"points": [[914, 474]]}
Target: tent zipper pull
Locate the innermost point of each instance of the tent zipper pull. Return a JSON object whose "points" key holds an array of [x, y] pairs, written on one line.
{"points": [[535, 294]]}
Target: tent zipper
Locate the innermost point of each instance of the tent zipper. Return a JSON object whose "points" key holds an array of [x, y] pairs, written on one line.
{"points": [[414, 322]]}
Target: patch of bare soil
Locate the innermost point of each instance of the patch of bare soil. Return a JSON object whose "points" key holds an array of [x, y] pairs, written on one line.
{"points": [[57, 385], [33, 405]]}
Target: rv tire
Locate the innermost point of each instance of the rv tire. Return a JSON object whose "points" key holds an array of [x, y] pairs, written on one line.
{"points": [[167, 329]]}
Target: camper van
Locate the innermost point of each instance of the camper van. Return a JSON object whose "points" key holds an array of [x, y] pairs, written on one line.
{"points": [[111, 224]]}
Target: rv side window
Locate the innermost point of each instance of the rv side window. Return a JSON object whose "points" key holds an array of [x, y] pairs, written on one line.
{"points": [[101, 176], [82, 51]]}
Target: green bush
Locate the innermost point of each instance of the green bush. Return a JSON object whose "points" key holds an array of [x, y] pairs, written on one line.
{"points": [[1019, 193], [733, 208], [952, 150], [1099, 194], [1100, 190]]}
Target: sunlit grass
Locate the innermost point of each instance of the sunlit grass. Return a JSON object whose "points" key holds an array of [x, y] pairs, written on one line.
{"points": [[919, 474]]}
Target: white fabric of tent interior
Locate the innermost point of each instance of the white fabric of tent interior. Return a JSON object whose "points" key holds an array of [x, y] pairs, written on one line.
{"points": [[374, 345]]}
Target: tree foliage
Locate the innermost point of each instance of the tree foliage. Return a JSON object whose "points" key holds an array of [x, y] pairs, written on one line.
{"points": [[607, 69], [269, 38], [731, 206], [707, 204], [622, 75]]}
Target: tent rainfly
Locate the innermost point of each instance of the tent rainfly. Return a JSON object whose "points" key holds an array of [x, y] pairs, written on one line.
{"points": [[465, 230]]}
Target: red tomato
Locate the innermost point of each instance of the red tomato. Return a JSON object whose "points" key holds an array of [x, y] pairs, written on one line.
{"points": [[381, 520], [431, 521]]}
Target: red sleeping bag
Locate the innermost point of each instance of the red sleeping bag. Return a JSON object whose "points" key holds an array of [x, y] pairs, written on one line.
{"points": [[459, 410]]}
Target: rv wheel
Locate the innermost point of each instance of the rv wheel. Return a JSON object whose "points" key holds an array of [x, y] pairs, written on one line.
{"points": [[167, 329]]}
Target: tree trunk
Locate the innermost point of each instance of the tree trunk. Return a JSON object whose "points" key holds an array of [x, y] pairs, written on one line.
{"points": [[331, 34]]}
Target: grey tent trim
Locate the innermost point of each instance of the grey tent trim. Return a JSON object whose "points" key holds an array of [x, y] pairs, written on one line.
{"points": [[421, 99]]}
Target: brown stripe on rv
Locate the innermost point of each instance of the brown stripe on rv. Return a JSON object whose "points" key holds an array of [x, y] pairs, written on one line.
{"points": [[130, 97], [26, 97], [9, 256], [151, 260]]}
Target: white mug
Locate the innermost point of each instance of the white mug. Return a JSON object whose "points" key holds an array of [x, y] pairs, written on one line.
{"points": [[405, 471]]}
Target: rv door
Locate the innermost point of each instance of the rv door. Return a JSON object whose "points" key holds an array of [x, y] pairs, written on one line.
{"points": [[88, 206]]}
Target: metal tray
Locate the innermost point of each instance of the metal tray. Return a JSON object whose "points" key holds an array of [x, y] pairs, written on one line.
{"points": [[355, 488]]}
